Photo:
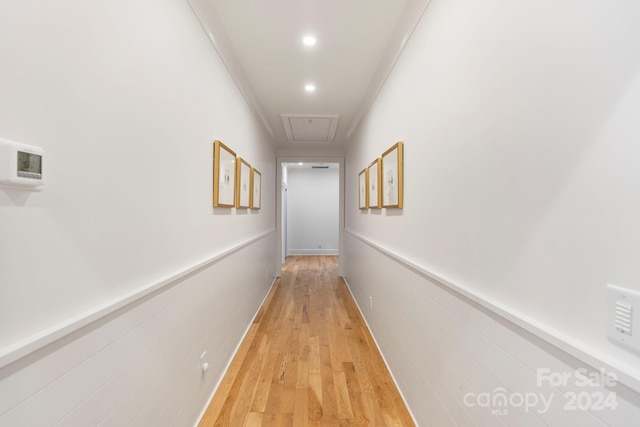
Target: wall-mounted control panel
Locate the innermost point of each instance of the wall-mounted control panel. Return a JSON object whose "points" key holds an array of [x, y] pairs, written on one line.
{"points": [[21, 165], [624, 316]]}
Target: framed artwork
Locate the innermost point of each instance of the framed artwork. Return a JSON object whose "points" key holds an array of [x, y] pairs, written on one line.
{"points": [[373, 184], [224, 176], [243, 181], [392, 180], [256, 189], [363, 184]]}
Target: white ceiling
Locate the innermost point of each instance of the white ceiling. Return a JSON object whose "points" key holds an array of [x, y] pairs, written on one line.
{"points": [[358, 42], [310, 165]]}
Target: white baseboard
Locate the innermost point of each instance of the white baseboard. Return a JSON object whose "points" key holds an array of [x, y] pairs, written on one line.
{"points": [[235, 351], [380, 351], [313, 252]]}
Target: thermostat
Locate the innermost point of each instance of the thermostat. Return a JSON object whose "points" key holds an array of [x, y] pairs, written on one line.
{"points": [[20, 165]]}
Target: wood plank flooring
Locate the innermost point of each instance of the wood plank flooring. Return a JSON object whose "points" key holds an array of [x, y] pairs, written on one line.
{"points": [[308, 360]]}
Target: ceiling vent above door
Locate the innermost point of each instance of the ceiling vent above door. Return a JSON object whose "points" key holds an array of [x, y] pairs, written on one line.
{"points": [[310, 128]]}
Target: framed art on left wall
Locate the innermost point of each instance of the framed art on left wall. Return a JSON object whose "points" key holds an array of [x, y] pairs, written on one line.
{"points": [[256, 189], [243, 181], [224, 176]]}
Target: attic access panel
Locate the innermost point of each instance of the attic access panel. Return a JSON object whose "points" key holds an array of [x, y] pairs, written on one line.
{"points": [[310, 128]]}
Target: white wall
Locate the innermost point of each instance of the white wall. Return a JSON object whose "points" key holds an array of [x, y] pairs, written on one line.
{"points": [[126, 98], [312, 211], [519, 122], [140, 365]]}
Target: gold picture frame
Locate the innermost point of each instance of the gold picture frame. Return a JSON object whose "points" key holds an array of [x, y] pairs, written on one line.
{"points": [[374, 183], [243, 183], [392, 176], [224, 175], [256, 189], [363, 186]]}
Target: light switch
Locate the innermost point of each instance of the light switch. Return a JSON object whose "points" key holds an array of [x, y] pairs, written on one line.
{"points": [[624, 324]]}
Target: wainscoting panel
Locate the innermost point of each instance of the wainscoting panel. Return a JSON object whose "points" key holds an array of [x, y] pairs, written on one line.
{"points": [[459, 363], [140, 365]]}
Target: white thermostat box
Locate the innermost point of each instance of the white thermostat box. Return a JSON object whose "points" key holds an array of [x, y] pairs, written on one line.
{"points": [[21, 165]]}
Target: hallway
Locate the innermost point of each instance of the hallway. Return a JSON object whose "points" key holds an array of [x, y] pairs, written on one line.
{"points": [[308, 359], [507, 275]]}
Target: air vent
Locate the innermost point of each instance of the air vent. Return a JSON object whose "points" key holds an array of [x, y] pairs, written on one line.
{"points": [[623, 320], [310, 128], [319, 167]]}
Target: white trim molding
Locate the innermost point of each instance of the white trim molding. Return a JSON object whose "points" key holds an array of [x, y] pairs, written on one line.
{"points": [[626, 375], [47, 336], [210, 23]]}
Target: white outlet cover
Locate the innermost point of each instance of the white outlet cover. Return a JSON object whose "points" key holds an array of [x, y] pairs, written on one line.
{"points": [[623, 316]]}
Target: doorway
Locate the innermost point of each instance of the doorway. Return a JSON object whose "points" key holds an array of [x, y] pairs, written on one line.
{"points": [[310, 211]]}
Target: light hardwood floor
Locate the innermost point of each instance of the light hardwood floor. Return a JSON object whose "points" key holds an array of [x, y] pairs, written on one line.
{"points": [[308, 360]]}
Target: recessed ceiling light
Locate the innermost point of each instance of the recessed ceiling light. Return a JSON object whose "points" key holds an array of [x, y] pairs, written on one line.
{"points": [[300, 164], [309, 40], [310, 88]]}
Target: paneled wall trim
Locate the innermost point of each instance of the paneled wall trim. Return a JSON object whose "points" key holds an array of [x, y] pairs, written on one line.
{"points": [[626, 375], [55, 332], [460, 360], [141, 364], [384, 359]]}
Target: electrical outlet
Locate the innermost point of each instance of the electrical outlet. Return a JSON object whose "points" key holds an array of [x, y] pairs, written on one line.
{"points": [[204, 365], [371, 303], [320, 245]]}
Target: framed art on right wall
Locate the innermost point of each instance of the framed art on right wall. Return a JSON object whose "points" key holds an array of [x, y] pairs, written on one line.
{"points": [[392, 176]]}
